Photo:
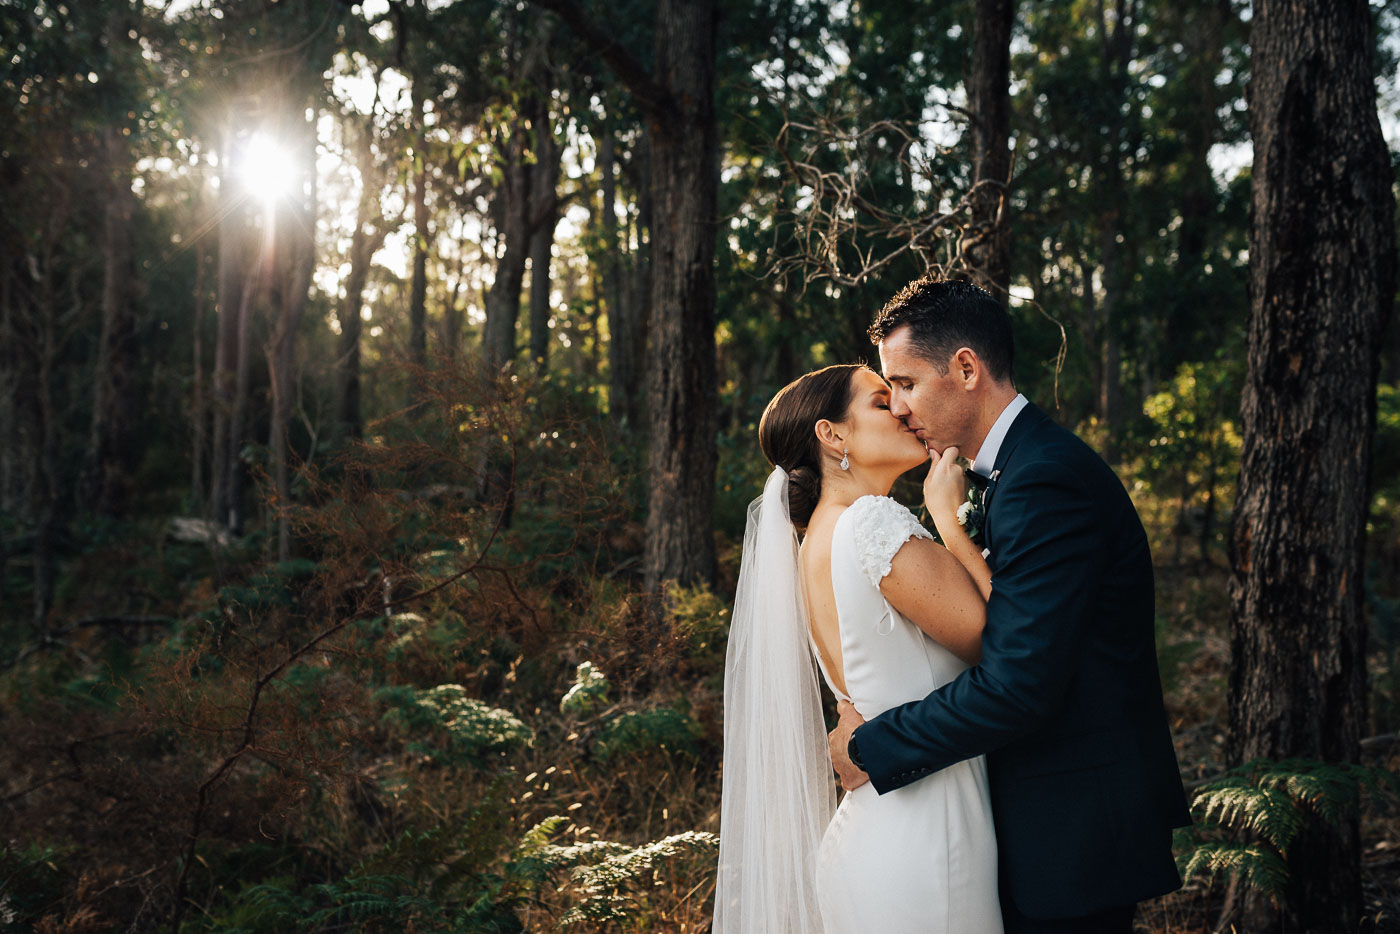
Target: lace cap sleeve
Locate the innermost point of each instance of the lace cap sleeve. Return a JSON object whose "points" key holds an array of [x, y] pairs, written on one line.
{"points": [[882, 526]]}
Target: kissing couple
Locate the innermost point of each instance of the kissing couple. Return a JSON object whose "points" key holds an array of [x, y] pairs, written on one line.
{"points": [[1002, 738]]}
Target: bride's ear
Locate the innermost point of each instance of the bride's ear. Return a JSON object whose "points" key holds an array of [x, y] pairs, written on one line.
{"points": [[831, 437]]}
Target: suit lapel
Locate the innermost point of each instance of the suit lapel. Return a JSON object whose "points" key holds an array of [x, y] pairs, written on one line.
{"points": [[1029, 417]]}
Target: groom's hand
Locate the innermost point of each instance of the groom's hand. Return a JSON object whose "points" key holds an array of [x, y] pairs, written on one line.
{"points": [[851, 777]]}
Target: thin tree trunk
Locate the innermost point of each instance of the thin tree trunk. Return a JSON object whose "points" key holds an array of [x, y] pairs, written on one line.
{"points": [[253, 288], [230, 308], [199, 415], [369, 234], [291, 281], [103, 480], [541, 246], [1322, 272], [621, 375], [544, 216], [989, 96], [418, 291]]}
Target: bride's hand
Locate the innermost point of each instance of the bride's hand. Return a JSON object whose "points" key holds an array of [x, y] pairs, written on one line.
{"points": [[945, 488]]}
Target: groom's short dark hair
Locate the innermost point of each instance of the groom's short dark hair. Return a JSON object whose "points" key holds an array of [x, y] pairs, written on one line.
{"points": [[945, 314]]}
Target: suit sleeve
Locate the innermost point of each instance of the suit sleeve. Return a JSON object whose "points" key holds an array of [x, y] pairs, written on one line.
{"points": [[1049, 562]]}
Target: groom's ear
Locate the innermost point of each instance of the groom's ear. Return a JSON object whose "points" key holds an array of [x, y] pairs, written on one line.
{"points": [[967, 367]]}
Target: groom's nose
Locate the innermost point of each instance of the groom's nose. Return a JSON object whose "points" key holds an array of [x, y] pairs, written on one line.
{"points": [[898, 407]]}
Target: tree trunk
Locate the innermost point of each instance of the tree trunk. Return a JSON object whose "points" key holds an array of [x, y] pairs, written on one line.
{"points": [[677, 98], [1322, 271], [503, 298], [541, 246], [103, 478], [621, 375], [989, 97], [230, 309], [368, 236], [544, 216], [527, 200], [291, 281], [681, 377], [418, 290], [199, 414]]}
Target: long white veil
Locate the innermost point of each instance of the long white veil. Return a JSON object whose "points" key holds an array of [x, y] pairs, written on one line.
{"points": [[778, 791]]}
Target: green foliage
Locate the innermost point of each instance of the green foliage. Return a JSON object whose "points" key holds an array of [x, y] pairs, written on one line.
{"points": [[700, 618], [610, 881], [459, 729], [639, 732], [1247, 819], [31, 880], [445, 878], [1192, 450], [589, 690]]}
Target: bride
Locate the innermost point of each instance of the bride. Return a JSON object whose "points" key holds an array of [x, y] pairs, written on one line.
{"points": [[889, 615]]}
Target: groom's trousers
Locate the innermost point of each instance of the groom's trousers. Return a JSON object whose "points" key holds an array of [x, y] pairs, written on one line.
{"points": [[1112, 921]]}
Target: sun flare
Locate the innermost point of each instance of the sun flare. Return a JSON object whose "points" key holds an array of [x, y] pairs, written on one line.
{"points": [[265, 168]]}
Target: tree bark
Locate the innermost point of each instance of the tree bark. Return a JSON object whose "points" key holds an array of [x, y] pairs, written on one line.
{"points": [[677, 99], [541, 246], [622, 376], [989, 97], [230, 310], [544, 210], [290, 284], [199, 414], [681, 371], [418, 290], [103, 479], [369, 234], [527, 200], [1322, 272]]}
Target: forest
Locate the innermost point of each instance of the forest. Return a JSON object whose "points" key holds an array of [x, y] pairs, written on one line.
{"points": [[379, 390]]}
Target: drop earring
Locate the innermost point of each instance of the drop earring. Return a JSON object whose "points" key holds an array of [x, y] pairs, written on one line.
{"points": [[846, 459]]}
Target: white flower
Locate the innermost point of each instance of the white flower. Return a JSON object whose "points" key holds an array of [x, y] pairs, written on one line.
{"points": [[964, 513]]}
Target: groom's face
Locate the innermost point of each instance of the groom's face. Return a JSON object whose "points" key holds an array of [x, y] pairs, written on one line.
{"points": [[933, 405]]}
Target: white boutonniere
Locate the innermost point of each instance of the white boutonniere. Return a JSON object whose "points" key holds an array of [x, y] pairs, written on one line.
{"points": [[971, 514]]}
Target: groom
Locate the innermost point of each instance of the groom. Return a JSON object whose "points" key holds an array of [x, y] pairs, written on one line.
{"points": [[1066, 702]]}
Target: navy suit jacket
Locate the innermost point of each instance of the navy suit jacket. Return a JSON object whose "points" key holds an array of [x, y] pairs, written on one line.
{"points": [[1067, 701]]}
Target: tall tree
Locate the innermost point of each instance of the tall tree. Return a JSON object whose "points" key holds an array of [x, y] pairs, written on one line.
{"points": [[527, 199], [989, 98], [677, 99], [418, 289], [289, 282], [104, 479], [1322, 268]]}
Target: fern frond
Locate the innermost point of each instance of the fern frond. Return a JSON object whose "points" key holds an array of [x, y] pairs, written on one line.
{"points": [[1261, 868]]}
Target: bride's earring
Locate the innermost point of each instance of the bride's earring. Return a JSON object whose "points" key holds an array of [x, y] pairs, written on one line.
{"points": [[846, 459]]}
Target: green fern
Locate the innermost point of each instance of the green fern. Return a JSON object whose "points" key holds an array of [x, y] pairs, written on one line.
{"points": [[1247, 819], [447, 726]]}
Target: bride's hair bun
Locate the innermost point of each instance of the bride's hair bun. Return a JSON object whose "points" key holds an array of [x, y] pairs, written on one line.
{"points": [[804, 489], [787, 437]]}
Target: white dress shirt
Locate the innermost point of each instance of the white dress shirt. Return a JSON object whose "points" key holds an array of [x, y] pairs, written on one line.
{"points": [[987, 454]]}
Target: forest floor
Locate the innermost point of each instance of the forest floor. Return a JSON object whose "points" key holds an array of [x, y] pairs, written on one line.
{"points": [[109, 735]]}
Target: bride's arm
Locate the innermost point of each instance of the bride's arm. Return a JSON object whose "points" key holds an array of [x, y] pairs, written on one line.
{"points": [[931, 589], [945, 490]]}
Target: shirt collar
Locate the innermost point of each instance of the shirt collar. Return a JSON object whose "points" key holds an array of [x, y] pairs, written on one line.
{"points": [[987, 454]]}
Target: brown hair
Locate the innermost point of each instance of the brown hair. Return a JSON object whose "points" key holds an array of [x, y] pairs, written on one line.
{"points": [[786, 436]]}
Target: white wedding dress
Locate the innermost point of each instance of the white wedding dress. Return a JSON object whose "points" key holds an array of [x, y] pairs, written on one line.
{"points": [[921, 859]]}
